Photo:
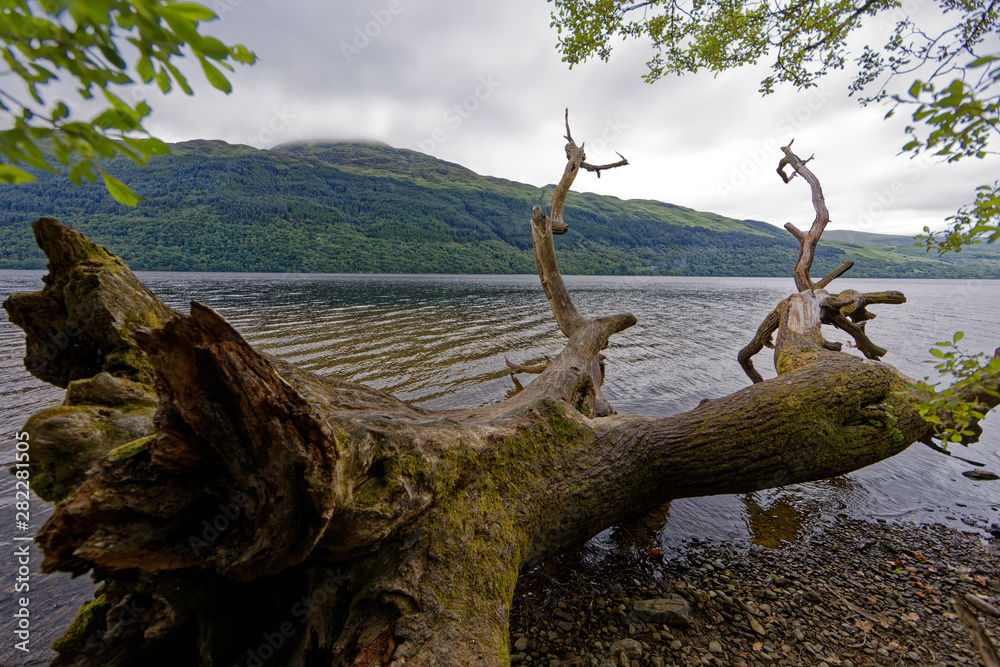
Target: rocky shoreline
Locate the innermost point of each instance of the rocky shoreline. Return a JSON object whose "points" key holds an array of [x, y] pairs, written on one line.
{"points": [[854, 593]]}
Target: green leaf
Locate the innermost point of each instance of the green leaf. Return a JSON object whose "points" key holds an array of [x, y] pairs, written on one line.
{"points": [[193, 11], [145, 69], [244, 55], [185, 28], [163, 80], [181, 80], [148, 147], [11, 174], [61, 111], [979, 62], [120, 191], [215, 77], [213, 48], [84, 169]]}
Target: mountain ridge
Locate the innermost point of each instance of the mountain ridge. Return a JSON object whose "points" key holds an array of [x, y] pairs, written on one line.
{"points": [[366, 207]]}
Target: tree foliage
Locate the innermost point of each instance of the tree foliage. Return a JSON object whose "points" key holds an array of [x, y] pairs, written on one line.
{"points": [[970, 373], [104, 47]]}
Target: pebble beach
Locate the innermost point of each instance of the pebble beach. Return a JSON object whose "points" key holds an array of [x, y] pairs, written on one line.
{"points": [[853, 593]]}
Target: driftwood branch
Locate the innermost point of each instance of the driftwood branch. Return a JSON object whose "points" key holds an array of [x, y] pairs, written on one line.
{"points": [[980, 639], [761, 340], [808, 240], [798, 318], [833, 275], [519, 368], [597, 169]]}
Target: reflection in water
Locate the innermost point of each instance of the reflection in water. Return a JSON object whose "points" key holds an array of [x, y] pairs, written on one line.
{"points": [[779, 524], [776, 518], [771, 518]]}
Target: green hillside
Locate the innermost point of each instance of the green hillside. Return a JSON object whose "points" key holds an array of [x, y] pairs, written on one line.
{"points": [[357, 207]]}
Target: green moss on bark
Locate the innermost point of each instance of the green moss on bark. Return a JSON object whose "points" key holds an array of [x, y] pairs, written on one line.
{"points": [[130, 449], [90, 621]]}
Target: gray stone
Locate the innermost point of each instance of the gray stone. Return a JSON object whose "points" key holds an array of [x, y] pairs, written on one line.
{"points": [[521, 645], [629, 647], [715, 647], [674, 611]]}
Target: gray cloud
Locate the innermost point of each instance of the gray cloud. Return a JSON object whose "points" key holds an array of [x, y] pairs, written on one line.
{"points": [[480, 83]]}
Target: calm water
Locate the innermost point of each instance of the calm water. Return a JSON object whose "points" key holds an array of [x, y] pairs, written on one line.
{"points": [[440, 341]]}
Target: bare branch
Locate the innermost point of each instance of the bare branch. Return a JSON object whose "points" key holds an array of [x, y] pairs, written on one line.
{"points": [[760, 340], [599, 168], [518, 368], [867, 347], [567, 316], [801, 273], [796, 232], [836, 273], [979, 636], [544, 227]]}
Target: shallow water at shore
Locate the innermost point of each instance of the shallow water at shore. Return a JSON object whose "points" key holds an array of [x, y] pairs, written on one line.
{"points": [[440, 342]]}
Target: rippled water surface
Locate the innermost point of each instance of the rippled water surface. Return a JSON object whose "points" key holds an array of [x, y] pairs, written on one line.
{"points": [[440, 342]]}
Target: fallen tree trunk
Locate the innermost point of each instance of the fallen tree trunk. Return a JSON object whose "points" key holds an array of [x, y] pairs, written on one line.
{"points": [[272, 516]]}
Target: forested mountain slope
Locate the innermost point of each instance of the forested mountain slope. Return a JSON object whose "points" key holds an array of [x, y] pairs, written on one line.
{"points": [[363, 207]]}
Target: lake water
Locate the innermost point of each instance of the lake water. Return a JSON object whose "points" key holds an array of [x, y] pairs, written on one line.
{"points": [[440, 341]]}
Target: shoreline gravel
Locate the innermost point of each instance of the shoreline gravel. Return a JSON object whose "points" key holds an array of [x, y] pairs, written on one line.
{"points": [[853, 593]]}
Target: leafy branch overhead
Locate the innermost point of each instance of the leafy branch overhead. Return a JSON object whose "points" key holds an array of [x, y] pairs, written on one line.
{"points": [[955, 92], [104, 47]]}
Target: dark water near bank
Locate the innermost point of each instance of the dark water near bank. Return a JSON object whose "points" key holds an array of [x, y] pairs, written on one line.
{"points": [[440, 341]]}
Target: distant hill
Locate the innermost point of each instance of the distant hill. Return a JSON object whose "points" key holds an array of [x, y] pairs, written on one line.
{"points": [[979, 258], [368, 207]]}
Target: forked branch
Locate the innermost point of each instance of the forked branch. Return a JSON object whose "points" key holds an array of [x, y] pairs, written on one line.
{"points": [[798, 319], [587, 336], [808, 240]]}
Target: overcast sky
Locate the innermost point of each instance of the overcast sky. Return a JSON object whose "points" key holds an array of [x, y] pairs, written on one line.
{"points": [[480, 83]]}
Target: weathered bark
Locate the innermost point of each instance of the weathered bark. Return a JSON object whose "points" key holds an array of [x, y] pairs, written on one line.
{"points": [[321, 522], [78, 325]]}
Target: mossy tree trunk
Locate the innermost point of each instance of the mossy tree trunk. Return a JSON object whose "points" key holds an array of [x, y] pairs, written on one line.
{"points": [[272, 516]]}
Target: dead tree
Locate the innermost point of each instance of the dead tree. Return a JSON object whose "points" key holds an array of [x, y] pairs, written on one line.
{"points": [[268, 514]]}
